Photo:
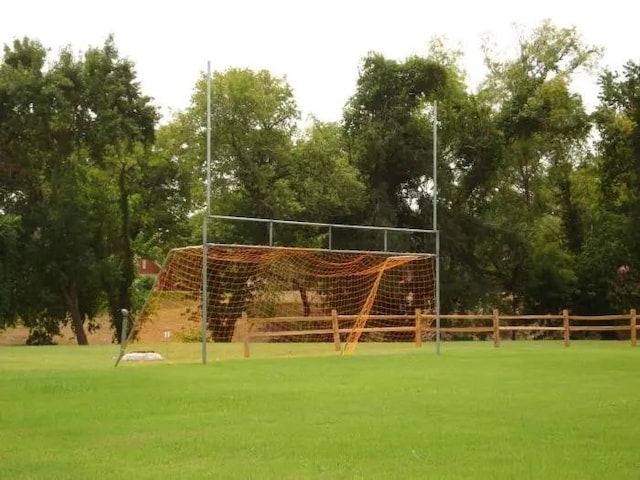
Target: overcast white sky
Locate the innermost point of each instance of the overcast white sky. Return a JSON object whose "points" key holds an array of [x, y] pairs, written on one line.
{"points": [[317, 45]]}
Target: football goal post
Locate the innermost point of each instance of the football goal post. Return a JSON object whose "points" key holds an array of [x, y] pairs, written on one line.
{"points": [[281, 292]]}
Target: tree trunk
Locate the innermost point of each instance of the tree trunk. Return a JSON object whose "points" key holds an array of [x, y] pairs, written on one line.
{"points": [[116, 314], [223, 331], [124, 283], [70, 293], [306, 306], [570, 215]]}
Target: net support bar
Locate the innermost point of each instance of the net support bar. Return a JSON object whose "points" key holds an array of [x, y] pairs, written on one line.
{"points": [[330, 226], [316, 224], [310, 249]]}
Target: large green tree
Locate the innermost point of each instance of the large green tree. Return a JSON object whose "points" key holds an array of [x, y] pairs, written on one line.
{"points": [[616, 244], [544, 130], [388, 132], [46, 189], [121, 131], [83, 180]]}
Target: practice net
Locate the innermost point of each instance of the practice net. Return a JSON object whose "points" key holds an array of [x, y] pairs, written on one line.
{"points": [[277, 294]]}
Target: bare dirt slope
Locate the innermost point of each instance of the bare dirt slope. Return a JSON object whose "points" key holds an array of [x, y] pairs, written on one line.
{"points": [[168, 315], [19, 335], [180, 318]]}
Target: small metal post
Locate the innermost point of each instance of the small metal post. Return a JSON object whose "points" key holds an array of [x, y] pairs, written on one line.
{"points": [[123, 335], [271, 234], [437, 304], [330, 238], [125, 325], [123, 332], [167, 338], [386, 238]]}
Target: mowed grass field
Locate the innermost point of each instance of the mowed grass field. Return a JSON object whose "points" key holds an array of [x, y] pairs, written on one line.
{"points": [[528, 410]]}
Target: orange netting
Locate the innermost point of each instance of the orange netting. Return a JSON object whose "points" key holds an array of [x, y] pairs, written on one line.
{"points": [[290, 295]]}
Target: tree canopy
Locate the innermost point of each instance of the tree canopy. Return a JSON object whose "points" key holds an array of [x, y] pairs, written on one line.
{"points": [[538, 197]]}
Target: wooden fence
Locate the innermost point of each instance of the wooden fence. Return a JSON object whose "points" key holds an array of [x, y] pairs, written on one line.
{"points": [[422, 324]]}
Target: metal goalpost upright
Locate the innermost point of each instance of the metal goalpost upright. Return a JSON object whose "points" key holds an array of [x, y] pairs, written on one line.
{"points": [[205, 223], [435, 223]]}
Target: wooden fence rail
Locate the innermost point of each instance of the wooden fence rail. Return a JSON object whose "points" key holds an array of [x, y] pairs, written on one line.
{"points": [[422, 323]]}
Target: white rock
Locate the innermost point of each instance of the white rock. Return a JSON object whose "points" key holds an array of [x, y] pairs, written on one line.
{"points": [[137, 356]]}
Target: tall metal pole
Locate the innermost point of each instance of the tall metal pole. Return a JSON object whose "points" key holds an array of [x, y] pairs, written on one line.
{"points": [[435, 223], [205, 221]]}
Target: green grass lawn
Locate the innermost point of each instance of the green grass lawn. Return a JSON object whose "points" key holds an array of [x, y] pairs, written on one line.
{"points": [[526, 410]]}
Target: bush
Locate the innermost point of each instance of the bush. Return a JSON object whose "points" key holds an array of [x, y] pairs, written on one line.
{"points": [[189, 335]]}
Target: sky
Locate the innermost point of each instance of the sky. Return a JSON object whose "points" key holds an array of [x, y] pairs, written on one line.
{"points": [[316, 45]]}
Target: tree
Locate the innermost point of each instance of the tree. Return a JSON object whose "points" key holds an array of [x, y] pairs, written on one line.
{"points": [[544, 128], [75, 149], [37, 144], [121, 128], [618, 122], [509, 213], [388, 122], [326, 185], [261, 165], [388, 132]]}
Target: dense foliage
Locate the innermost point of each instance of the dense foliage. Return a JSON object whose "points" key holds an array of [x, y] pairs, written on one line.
{"points": [[537, 201]]}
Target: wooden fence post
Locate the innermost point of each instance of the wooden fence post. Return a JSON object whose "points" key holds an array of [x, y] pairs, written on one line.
{"points": [[418, 328], [496, 328], [245, 331], [634, 328], [565, 325], [336, 330]]}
